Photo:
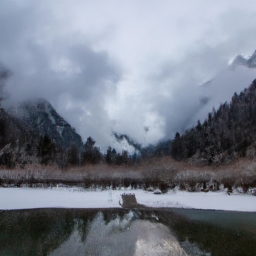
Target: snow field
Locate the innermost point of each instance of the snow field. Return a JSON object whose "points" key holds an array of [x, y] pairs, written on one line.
{"points": [[28, 198]]}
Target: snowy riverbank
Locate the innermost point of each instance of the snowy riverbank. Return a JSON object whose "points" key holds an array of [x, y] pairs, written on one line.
{"points": [[26, 198]]}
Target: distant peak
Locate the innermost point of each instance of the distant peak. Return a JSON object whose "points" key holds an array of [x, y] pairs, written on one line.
{"points": [[252, 60], [240, 60]]}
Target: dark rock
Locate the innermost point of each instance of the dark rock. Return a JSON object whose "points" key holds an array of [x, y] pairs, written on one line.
{"points": [[157, 192], [129, 201]]}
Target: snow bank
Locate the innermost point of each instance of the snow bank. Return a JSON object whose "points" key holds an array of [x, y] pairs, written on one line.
{"points": [[25, 198]]}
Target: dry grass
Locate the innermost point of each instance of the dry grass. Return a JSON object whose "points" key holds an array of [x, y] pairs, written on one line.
{"points": [[164, 170]]}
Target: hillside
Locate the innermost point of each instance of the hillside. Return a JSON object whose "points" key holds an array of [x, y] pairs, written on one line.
{"points": [[33, 132], [40, 117], [220, 88], [17, 141], [227, 133]]}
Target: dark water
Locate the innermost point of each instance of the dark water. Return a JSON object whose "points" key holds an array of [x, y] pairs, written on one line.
{"points": [[126, 232]]}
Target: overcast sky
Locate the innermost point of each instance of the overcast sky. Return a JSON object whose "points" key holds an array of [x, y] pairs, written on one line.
{"points": [[128, 66]]}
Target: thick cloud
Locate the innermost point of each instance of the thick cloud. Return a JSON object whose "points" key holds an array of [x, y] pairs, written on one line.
{"points": [[132, 67]]}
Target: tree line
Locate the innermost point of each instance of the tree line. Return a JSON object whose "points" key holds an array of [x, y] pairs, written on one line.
{"points": [[229, 131], [49, 153]]}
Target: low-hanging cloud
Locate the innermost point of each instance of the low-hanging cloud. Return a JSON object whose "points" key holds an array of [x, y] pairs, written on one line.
{"points": [[133, 68]]}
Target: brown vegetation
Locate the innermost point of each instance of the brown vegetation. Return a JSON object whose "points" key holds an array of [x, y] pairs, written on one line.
{"points": [[162, 172]]}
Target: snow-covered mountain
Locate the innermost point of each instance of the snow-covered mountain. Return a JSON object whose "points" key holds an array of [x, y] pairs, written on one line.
{"points": [[124, 142], [42, 118], [243, 61], [236, 77]]}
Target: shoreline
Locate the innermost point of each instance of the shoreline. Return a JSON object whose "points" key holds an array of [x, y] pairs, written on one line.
{"points": [[124, 209]]}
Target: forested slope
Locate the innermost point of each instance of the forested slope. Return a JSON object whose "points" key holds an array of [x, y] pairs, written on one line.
{"points": [[227, 133]]}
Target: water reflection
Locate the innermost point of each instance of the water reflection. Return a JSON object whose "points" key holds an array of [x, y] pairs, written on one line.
{"points": [[130, 236], [121, 236], [126, 232]]}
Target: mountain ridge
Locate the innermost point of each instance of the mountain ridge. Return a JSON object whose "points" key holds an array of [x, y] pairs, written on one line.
{"points": [[40, 116], [249, 62]]}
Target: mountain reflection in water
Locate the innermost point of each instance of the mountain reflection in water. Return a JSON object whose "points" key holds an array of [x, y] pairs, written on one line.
{"points": [[122, 237], [126, 232]]}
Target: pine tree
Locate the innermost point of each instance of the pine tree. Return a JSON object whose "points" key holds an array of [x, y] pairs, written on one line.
{"points": [[46, 150]]}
